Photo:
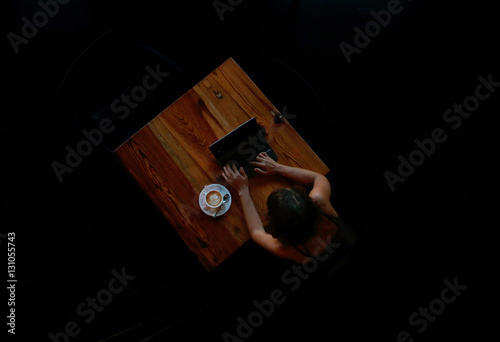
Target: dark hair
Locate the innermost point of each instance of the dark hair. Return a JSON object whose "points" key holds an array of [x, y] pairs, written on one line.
{"points": [[293, 215]]}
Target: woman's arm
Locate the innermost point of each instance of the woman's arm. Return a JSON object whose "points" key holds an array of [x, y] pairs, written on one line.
{"points": [[321, 189], [252, 217], [239, 181]]}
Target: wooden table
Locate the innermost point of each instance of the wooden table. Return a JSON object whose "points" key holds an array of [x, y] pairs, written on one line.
{"points": [[171, 160]]}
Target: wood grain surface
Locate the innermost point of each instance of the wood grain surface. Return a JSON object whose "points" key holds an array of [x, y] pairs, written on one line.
{"points": [[171, 160]]}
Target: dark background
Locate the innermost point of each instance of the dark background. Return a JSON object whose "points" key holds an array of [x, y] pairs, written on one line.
{"points": [[441, 223]]}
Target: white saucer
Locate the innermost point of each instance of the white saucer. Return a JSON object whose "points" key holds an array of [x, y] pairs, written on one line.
{"points": [[203, 203]]}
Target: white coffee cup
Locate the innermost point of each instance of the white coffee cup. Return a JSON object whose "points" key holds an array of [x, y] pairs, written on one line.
{"points": [[213, 199]]}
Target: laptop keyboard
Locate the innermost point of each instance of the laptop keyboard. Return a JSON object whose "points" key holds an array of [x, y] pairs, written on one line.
{"points": [[242, 146]]}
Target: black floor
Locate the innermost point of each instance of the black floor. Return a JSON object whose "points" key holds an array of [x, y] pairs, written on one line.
{"points": [[438, 225]]}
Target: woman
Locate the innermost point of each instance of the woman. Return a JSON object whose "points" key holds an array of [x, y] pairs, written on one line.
{"points": [[301, 224]]}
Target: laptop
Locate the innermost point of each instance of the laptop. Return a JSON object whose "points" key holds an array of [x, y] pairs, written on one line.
{"points": [[241, 146]]}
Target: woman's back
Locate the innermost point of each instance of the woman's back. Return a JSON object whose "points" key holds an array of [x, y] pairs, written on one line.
{"points": [[317, 245], [301, 224]]}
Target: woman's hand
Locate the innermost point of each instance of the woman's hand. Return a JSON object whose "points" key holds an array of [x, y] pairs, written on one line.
{"points": [[265, 165], [237, 179]]}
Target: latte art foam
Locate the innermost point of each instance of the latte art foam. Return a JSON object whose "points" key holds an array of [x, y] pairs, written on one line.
{"points": [[213, 198]]}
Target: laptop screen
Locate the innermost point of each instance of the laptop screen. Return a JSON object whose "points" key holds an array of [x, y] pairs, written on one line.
{"points": [[242, 146], [231, 140]]}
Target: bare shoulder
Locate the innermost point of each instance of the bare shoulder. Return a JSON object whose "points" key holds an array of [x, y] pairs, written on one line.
{"points": [[324, 204], [269, 242], [322, 185], [291, 253]]}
